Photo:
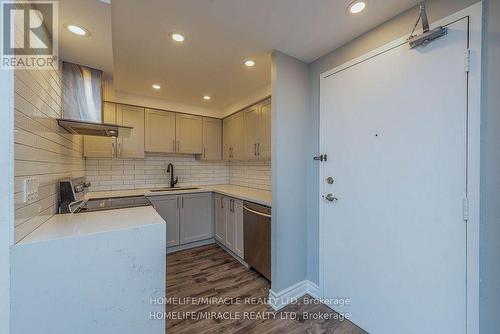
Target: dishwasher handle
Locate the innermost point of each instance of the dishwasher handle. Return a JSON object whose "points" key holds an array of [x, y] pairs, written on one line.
{"points": [[256, 212]]}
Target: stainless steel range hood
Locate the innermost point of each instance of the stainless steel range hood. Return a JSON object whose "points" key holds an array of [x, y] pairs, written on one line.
{"points": [[82, 103]]}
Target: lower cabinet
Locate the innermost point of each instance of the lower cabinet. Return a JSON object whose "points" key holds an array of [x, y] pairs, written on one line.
{"points": [[168, 208], [189, 217], [229, 223]]}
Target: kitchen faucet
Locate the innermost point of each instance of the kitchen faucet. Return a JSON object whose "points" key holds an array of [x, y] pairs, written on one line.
{"points": [[173, 181]]}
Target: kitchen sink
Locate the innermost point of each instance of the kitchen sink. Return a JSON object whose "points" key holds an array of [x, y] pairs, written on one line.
{"points": [[172, 189]]}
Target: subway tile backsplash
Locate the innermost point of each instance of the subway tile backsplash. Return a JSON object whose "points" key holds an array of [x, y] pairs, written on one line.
{"points": [[42, 150], [255, 174], [151, 172]]}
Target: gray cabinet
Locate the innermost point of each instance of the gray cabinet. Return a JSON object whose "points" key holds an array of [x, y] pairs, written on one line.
{"points": [[189, 217], [196, 217], [229, 223], [238, 227], [212, 139], [230, 220], [168, 208], [232, 134], [220, 218]]}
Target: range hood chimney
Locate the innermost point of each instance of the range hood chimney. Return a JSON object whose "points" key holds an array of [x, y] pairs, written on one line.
{"points": [[82, 103]]}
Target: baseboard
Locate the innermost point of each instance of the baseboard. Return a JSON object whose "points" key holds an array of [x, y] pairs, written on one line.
{"points": [[195, 244], [278, 300]]}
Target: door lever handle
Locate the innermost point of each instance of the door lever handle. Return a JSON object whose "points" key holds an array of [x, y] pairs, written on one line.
{"points": [[331, 198]]}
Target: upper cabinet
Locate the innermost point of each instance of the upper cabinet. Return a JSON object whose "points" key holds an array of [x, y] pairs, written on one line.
{"points": [[188, 133], [130, 145], [212, 139], [247, 134], [233, 137], [264, 139], [170, 132], [159, 131], [251, 119]]}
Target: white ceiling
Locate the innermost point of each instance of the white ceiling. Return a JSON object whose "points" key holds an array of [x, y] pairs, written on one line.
{"points": [[220, 34]]}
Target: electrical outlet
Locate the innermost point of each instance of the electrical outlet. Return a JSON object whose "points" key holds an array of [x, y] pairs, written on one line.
{"points": [[30, 189]]}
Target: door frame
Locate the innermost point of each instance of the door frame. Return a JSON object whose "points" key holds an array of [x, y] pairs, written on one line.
{"points": [[474, 13]]}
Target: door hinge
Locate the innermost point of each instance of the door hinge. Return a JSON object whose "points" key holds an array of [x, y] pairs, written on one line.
{"points": [[322, 157], [466, 209], [467, 61]]}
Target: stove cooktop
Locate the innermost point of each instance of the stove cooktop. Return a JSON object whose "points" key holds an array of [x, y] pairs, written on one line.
{"points": [[99, 204]]}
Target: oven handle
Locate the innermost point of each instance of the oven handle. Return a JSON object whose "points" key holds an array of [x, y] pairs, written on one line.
{"points": [[78, 207], [256, 212]]}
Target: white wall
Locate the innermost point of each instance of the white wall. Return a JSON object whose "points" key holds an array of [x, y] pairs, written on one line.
{"points": [[290, 91], [6, 191], [489, 304], [41, 148], [397, 27]]}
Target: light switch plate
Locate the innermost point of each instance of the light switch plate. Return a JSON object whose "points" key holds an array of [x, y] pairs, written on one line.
{"points": [[30, 189]]}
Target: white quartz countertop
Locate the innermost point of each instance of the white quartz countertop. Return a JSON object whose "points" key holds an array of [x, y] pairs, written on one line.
{"points": [[244, 193], [81, 224]]}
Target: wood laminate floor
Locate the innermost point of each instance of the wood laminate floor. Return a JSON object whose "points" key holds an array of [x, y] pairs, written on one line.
{"points": [[237, 299]]}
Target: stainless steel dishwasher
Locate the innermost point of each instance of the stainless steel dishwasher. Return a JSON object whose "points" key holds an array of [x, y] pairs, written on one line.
{"points": [[257, 235]]}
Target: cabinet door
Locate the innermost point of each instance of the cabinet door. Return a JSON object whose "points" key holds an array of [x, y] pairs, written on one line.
{"points": [[212, 139], [168, 208], [220, 219], [196, 217], [131, 145], [238, 139], [188, 133], [264, 148], [102, 147], [251, 126], [159, 131], [230, 220], [238, 228], [226, 139], [233, 137]]}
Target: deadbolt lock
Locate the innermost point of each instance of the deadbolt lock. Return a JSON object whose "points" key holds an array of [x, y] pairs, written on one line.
{"points": [[329, 180]]}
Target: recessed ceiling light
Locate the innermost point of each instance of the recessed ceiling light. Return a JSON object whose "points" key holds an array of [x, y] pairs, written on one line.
{"points": [[357, 7], [156, 86], [177, 37], [249, 63], [80, 31], [206, 97]]}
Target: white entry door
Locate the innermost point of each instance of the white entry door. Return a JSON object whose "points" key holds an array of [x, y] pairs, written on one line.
{"points": [[394, 243]]}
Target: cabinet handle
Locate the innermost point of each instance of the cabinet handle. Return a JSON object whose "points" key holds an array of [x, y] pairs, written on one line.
{"points": [[119, 149], [222, 202], [255, 149], [258, 149], [177, 202], [205, 152], [182, 202], [113, 148]]}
